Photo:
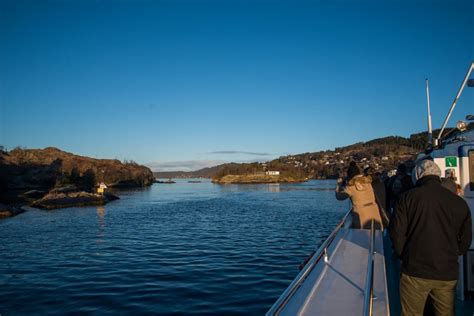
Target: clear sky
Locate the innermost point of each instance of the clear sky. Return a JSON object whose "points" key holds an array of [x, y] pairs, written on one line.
{"points": [[187, 84]]}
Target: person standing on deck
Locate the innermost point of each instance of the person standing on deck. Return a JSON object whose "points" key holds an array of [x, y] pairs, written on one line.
{"points": [[359, 190], [396, 185], [429, 229], [380, 193]]}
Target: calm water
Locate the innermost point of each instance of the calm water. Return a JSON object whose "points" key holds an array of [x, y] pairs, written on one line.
{"points": [[170, 249]]}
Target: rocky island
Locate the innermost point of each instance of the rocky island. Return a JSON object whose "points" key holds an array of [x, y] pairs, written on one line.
{"points": [[55, 200], [256, 178], [51, 178]]}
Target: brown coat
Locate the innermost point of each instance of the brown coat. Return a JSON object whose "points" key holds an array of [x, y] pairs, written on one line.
{"points": [[359, 190]]}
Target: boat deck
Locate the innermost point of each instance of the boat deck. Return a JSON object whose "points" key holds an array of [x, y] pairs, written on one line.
{"points": [[335, 279], [336, 286]]}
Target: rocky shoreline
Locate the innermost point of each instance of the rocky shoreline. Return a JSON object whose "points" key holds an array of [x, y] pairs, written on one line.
{"points": [[55, 199]]}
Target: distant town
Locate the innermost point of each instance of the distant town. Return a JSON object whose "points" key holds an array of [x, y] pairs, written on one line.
{"points": [[382, 154]]}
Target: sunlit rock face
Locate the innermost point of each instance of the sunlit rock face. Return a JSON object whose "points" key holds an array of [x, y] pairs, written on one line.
{"points": [[43, 169]]}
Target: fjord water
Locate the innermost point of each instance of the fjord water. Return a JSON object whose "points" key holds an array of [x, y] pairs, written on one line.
{"points": [[183, 248]]}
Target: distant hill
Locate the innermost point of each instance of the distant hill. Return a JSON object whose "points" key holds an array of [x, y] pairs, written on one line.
{"points": [[382, 153], [201, 173]]}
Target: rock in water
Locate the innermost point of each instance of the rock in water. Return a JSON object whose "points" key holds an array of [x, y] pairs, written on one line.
{"points": [[110, 197], [9, 211], [55, 200]]}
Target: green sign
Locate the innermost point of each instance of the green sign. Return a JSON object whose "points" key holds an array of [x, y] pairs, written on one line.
{"points": [[451, 161]]}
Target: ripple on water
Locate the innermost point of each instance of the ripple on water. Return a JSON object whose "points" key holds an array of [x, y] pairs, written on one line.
{"points": [[201, 249]]}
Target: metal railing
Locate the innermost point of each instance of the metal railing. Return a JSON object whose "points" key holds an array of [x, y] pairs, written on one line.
{"points": [[369, 282], [322, 251]]}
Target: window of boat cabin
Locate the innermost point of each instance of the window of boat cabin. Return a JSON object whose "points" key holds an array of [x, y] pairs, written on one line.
{"points": [[471, 170]]}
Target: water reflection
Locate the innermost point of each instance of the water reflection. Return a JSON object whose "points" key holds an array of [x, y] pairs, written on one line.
{"points": [[100, 223], [278, 187], [274, 187], [250, 187]]}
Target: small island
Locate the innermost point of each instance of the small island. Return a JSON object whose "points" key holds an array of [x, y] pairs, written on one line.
{"points": [[54, 200], [258, 177], [169, 181]]}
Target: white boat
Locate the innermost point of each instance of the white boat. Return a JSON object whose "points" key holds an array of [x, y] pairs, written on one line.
{"points": [[354, 272]]}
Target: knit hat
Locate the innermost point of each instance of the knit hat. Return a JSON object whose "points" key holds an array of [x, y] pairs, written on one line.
{"points": [[426, 168], [352, 171]]}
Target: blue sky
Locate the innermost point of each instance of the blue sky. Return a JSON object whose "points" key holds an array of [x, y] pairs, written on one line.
{"points": [[187, 84]]}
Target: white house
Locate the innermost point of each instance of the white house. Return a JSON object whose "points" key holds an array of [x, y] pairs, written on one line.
{"points": [[272, 173]]}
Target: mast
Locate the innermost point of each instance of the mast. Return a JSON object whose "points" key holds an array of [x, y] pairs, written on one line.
{"points": [[466, 79], [430, 130]]}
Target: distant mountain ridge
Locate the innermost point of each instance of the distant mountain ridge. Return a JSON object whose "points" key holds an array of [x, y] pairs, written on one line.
{"points": [[201, 173], [381, 153]]}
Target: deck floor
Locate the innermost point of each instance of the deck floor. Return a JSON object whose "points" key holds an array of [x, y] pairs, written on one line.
{"points": [[337, 287]]}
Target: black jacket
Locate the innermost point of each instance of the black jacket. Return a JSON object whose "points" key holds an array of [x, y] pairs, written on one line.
{"points": [[396, 186], [430, 228], [379, 191]]}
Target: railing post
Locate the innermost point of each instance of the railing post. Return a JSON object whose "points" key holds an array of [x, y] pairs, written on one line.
{"points": [[369, 283]]}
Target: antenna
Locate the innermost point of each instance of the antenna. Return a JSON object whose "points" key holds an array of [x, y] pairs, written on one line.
{"points": [[430, 130], [466, 79]]}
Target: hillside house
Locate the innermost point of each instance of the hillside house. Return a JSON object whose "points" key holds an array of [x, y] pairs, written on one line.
{"points": [[272, 173]]}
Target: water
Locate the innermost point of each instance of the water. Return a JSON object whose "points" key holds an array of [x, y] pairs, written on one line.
{"points": [[169, 249]]}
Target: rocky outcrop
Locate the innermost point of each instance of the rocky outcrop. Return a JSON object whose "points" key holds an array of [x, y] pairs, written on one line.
{"points": [[34, 194], [54, 200], [23, 170], [65, 189], [9, 211], [165, 182]]}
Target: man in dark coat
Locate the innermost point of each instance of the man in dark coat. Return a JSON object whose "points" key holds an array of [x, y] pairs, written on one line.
{"points": [[430, 228]]}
